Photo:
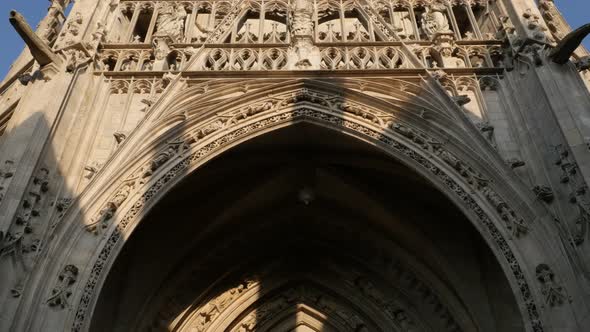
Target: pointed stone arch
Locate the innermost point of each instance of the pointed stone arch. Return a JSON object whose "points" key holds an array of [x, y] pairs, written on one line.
{"points": [[416, 126]]}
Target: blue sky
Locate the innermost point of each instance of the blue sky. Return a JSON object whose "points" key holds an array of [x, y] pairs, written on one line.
{"points": [[577, 12]]}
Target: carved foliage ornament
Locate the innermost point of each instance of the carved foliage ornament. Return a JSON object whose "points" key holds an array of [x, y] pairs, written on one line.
{"points": [[554, 293], [6, 174], [62, 290], [334, 116]]}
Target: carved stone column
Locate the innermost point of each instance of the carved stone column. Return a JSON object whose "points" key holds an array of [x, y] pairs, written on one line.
{"points": [[303, 54]]}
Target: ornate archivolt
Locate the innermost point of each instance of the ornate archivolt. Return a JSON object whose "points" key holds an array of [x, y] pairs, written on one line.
{"points": [[195, 139]]}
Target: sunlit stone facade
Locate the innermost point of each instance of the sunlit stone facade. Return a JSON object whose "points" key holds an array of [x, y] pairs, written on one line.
{"points": [[303, 165]]}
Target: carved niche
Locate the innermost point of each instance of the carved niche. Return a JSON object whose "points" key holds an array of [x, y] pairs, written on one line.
{"points": [[435, 20]]}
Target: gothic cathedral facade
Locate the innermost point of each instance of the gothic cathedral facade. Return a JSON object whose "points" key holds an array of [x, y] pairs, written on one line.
{"points": [[296, 165]]}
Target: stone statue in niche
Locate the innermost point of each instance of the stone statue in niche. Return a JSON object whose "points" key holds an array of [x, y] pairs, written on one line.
{"points": [[72, 29], [434, 20], [171, 21], [403, 25], [442, 52], [303, 54], [450, 61]]}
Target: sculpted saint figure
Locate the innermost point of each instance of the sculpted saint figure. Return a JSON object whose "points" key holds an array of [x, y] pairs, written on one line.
{"points": [[171, 21], [434, 20], [450, 61], [403, 25], [110, 208]]}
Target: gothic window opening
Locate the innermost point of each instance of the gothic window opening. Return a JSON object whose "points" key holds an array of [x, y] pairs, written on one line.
{"points": [[249, 28], [466, 30], [356, 27], [148, 63], [129, 62], [275, 23], [485, 21], [403, 23], [123, 24], [385, 12], [419, 14], [140, 31], [174, 61], [203, 23], [477, 57], [329, 24], [109, 62]]}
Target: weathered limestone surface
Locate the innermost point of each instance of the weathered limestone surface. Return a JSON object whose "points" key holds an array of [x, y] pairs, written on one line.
{"points": [[301, 166]]}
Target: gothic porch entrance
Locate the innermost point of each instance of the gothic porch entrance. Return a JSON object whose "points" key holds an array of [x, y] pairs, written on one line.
{"points": [[312, 231]]}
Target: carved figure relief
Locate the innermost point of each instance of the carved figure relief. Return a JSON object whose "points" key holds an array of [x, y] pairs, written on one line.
{"points": [[533, 23], [515, 225], [544, 193], [32, 203], [108, 211], [174, 148], [170, 21], [443, 52], [75, 59], [6, 174], [72, 29], [435, 21], [554, 293], [62, 290]]}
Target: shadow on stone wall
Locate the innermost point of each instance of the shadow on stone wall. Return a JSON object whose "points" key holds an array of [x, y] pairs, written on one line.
{"points": [[39, 210]]}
